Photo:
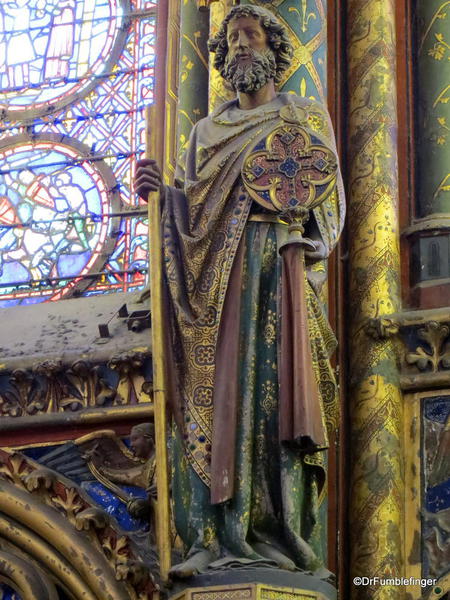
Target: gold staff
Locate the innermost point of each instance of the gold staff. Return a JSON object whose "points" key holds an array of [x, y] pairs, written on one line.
{"points": [[159, 383]]}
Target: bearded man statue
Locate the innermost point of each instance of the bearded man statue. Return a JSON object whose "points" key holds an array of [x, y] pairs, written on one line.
{"points": [[245, 490]]}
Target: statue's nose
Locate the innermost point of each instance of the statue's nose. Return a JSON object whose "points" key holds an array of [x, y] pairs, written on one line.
{"points": [[242, 40]]}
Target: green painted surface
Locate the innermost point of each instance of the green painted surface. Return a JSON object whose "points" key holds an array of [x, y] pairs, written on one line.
{"points": [[432, 43], [193, 82]]}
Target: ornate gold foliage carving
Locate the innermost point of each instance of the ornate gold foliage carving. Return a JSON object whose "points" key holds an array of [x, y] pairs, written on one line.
{"points": [[69, 502], [91, 518], [252, 591], [52, 387], [437, 355], [42, 478], [48, 490], [278, 595], [14, 469]]}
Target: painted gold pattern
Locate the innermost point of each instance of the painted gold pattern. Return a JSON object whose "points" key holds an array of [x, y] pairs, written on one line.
{"points": [[223, 595], [377, 487]]}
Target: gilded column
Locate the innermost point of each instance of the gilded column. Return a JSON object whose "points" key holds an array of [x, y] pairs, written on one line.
{"points": [[377, 488], [193, 69], [171, 95]]}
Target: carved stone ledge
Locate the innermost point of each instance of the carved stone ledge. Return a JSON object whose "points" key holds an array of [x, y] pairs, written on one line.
{"points": [[425, 346], [253, 584], [142, 412], [54, 387], [57, 358]]}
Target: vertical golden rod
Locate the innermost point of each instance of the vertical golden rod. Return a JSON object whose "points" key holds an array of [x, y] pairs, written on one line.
{"points": [[159, 384]]}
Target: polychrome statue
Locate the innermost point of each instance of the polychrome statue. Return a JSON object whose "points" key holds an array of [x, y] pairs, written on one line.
{"points": [[252, 385]]}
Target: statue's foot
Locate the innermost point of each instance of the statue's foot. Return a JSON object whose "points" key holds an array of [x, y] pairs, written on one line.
{"points": [[272, 553], [195, 564]]}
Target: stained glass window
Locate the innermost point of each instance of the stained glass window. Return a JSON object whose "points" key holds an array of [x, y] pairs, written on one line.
{"points": [[75, 76]]}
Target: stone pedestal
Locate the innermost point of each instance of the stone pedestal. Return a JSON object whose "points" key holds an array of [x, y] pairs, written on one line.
{"points": [[253, 584], [248, 591]]}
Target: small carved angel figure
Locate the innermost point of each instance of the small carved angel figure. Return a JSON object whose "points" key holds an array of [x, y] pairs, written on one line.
{"points": [[110, 461]]}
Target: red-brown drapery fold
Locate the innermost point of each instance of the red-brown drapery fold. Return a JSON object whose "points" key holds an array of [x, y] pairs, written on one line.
{"points": [[226, 391], [299, 401]]}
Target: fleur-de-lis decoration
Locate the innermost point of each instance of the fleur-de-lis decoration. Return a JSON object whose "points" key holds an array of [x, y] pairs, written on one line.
{"points": [[15, 471], [438, 356], [304, 16], [70, 503]]}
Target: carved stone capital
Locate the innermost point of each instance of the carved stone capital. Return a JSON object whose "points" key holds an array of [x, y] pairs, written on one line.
{"points": [[424, 336], [382, 328]]}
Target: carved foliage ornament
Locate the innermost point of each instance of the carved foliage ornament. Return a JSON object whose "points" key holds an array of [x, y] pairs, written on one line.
{"points": [[435, 354], [426, 342], [52, 509], [51, 386]]}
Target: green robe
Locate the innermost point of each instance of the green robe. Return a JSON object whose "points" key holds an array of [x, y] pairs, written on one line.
{"points": [[235, 482]]}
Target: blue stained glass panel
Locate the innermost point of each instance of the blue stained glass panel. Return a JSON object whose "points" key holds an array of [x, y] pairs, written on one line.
{"points": [[106, 117], [51, 49], [45, 205]]}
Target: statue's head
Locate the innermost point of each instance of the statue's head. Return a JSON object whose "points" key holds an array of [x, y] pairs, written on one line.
{"points": [[142, 439], [241, 58]]}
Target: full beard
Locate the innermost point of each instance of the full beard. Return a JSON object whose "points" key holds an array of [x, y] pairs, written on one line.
{"points": [[251, 76]]}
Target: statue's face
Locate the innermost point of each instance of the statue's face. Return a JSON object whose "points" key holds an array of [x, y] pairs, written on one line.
{"points": [[244, 33], [141, 445], [250, 62]]}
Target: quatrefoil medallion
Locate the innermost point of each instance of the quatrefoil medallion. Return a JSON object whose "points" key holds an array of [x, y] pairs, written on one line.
{"points": [[289, 168]]}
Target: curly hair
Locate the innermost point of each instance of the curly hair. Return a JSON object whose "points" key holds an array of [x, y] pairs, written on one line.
{"points": [[276, 34]]}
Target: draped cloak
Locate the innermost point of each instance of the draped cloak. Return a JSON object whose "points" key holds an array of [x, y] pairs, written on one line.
{"points": [[202, 227]]}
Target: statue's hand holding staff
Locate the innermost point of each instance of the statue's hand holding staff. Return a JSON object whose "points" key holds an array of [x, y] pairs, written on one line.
{"points": [[148, 178], [313, 256]]}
